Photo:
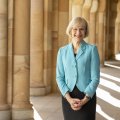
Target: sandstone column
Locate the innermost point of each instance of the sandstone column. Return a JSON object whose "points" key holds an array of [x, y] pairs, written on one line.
{"points": [[59, 37], [54, 43], [36, 48], [86, 9], [86, 12], [77, 8], [47, 66], [101, 31], [63, 22], [4, 108], [92, 26], [21, 109], [10, 50], [107, 37], [70, 9], [117, 30]]}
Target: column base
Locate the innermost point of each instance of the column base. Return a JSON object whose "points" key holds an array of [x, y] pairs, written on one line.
{"points": [[5, 115], [102, 65], [22, 114], [39, 91]]}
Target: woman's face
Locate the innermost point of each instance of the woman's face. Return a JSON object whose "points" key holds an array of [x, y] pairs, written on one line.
{"points": [[78, 32]]}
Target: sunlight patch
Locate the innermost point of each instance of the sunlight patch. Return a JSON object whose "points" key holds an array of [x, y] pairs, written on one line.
{"points": [[104, 95], [36, 115], [110, 85], [102, 113]]}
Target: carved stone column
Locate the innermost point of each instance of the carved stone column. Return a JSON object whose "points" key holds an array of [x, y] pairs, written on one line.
{"points": [[4, 108], [92, 26], [47, 66], [86, 12], [70, 9], [86, 9], [21, 109], [54, 43], [117, 30], [37, 48], [77, 8], [101, 30], [63, 16], [10, 50]]}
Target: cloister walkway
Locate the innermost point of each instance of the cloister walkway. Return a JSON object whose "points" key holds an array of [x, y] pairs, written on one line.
{"points": [[108, 98]]}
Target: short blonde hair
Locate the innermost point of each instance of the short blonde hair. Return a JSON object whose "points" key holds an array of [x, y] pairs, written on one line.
{"points": [[77, 20]]}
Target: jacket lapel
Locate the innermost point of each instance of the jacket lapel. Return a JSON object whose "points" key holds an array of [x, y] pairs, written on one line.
{"points": [[81, 49], [71, 53]]}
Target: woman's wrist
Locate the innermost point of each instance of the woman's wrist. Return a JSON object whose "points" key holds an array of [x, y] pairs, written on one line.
{"points": [[87, 97], [67, 96], [84, 100]]}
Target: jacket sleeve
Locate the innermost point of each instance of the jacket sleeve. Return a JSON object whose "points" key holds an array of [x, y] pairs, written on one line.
{"points": [[60, 74], [95, 73]]}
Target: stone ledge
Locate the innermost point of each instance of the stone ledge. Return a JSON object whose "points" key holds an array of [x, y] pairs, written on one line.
{"points": [[35, 91]]}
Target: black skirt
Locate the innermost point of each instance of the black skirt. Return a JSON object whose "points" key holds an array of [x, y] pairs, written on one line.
{"points": [[87, 112]]}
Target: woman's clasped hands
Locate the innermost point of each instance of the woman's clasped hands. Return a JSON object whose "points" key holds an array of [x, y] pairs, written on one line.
{"points": [[76, 104]]}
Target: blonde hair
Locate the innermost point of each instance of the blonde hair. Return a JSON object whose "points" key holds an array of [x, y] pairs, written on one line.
{"points": [[77, 20]]}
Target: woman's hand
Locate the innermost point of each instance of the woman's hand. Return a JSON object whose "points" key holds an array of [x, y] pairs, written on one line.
{"points": [[75, 103], [84, 101]]}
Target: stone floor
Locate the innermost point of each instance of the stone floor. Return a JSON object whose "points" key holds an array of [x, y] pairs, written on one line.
{"points": [[108, 98]]}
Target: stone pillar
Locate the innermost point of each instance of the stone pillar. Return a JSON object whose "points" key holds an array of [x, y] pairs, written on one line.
{"points": [[63, 22], [10, 50], [47, 66], [4, 108], [77, 8], [86, 9], [54, 43], [112, 19], [107, 37], [21, 109], [36, 48], [117, 30], [70, 9], [92, 26], [101, 30], [86, 12]]}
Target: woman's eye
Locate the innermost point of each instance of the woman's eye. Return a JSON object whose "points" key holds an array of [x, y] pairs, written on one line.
{"points": [[82, 29], [75, 29]]}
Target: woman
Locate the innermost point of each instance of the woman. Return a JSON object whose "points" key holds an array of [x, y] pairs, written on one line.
{"points": [[78, 73]]}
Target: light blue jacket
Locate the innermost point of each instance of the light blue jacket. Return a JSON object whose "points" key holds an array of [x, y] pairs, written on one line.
{"points": [[82, 70]]}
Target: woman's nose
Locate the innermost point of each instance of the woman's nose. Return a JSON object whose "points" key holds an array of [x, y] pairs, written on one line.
{"points": [[78, 31]]}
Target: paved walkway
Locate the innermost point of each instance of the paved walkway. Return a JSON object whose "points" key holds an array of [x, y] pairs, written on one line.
{"points": [[108, 99]]}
